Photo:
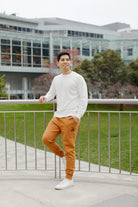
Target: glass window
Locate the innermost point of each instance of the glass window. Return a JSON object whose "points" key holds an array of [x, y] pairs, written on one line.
{"points": [[27, 54], [56, 50], [15, 42], [16, 53], [46, 45], [69, 33], [119, 52], [5, 42], [87, 34], [45, 50], [45, 55], [85, 51], [36, 54], [129, 51], [5, 52]]}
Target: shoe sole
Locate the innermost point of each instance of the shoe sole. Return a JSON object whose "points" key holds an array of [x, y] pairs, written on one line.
{"points": [[56, 188]]}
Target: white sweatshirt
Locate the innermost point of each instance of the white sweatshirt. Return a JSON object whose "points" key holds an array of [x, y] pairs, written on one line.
{"points": [[71, 94]]}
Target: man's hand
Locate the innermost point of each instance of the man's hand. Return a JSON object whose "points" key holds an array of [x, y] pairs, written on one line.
{"points": [[76, 119], [42, 99]]}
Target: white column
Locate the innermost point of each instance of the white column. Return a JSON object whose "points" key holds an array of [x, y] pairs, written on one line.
{"points": [[71, 50], [21, 53], [51, 48], [32, 54], [11, 50], [122, 55], [61, 44], [70, 44], [25, 87], [99, 47], [41, 55], [81, 48], [90, 48], [135, 50]]}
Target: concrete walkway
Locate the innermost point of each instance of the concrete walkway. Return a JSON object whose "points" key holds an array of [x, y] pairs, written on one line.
{"points": [[95, 190], [32, 188]]}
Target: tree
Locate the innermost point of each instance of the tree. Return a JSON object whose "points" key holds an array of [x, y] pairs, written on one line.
{"points": [[133, 72], [119, 90], [86, 70], [42, 84], [110, 67], [2, 85], [106, 67], [103, 71]]}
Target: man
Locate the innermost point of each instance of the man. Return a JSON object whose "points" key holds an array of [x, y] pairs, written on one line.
{"points": [[71, 93]]}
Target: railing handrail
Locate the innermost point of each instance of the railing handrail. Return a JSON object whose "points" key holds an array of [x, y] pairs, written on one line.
{"points": [[90, 101]]}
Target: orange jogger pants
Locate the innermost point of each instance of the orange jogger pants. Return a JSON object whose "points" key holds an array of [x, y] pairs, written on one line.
{"points": [[68, 127]]}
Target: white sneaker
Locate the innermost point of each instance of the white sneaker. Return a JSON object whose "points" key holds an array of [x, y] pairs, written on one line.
{"points": [[66, 183]]}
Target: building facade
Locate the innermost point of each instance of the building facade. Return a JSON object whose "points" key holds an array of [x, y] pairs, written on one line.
{"points": [[28, 47]]}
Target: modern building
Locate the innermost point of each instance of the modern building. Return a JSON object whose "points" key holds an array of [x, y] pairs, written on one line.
{"points": [[28, 47]]}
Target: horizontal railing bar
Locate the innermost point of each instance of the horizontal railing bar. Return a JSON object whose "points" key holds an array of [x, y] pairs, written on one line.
{"points": [[27, 111], [92, 111], [90, 101], [113, 101], [23, 101]]}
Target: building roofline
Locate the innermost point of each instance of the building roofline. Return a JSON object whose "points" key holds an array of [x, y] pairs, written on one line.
{"points": [[19, 19], [68, 20]]}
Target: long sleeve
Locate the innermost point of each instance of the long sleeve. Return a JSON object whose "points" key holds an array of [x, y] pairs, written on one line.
{"points": [[83, 94], [71, 95], [51, 93]]}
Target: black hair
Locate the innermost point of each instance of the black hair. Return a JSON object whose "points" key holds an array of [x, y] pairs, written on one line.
{"points": [[62, 53]]}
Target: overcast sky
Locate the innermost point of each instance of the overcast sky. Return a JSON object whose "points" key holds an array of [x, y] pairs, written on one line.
{"points": [[98, 12]]}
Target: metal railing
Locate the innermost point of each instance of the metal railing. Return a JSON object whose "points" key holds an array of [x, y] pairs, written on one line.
{"points": [[21, 147]]}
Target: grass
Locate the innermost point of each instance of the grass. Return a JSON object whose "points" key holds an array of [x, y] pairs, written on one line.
{"points": [[15, 131], [114, 140]]}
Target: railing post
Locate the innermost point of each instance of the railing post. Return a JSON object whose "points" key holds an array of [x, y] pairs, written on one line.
{"points": [[119, 143], [79, 148], [45, 145], [5, 141], [35, 141], [25, 141], [89, 140], [54, 109], [59, 159], [99, 144], [55, 166], [130, 143], [15, 140], [109, 143]]}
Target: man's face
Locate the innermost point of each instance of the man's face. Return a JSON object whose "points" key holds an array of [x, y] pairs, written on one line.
{"points": [[64, 63]]}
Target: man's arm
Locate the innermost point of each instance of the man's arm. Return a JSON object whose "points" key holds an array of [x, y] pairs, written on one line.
{"points": [[50, 95], [83, 94]]}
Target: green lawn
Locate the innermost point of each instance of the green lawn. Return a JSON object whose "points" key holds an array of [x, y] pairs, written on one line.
{"points": [[30, 134]]}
